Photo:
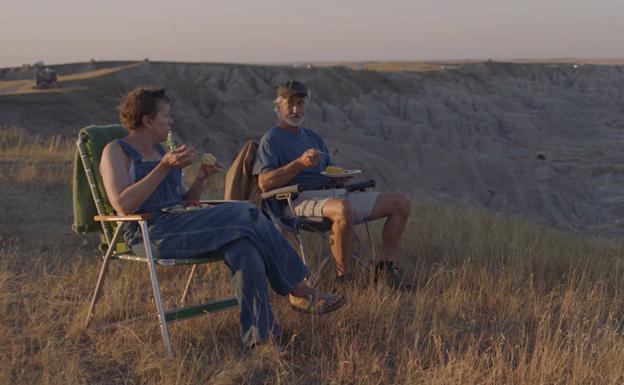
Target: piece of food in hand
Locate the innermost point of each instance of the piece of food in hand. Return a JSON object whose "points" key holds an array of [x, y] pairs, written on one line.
{"points": [[209, 159], [334, 170]]}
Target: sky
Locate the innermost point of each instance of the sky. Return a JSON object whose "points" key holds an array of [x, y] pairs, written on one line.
{"points": [[295, 31]]}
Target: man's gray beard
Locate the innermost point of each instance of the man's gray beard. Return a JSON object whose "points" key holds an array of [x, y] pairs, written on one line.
{"points": [[294, 122]]}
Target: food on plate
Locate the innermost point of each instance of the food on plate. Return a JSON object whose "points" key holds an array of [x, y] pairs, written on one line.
{"points": [[209, 159], [334, 170]]}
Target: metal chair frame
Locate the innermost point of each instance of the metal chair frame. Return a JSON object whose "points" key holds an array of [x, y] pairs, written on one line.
{"points": [[287, 194], [112, 226]]}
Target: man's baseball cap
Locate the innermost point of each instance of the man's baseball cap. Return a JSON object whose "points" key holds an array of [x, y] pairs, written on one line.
{"points": [[290, 88]]}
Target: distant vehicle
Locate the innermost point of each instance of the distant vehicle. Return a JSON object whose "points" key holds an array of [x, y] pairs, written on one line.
{"points": [[45, 77]]}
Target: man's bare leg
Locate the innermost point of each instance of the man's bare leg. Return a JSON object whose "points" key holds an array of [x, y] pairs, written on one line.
{"points": [[396, 208], [340, 212]]}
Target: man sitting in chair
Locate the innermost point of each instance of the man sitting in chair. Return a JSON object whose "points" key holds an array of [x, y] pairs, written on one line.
{"points": [[290, 154]]}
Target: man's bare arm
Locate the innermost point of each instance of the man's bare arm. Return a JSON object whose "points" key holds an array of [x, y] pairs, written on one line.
{"points": [[280, 177]]}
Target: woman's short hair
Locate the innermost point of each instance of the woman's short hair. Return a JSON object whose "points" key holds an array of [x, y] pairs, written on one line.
{"points": [[139, 102]]}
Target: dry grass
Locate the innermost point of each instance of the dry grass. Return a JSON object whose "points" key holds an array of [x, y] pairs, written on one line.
{"points": [[33, 159], [394, 66], [498, 301]]}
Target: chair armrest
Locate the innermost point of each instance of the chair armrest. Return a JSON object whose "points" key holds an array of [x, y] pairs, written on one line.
{"points": [[118, 218], [360, 186], [282, 190]]}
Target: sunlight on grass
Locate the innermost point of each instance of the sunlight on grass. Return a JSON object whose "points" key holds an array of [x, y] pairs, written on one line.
{"points": [[32, 158], [498, 301]]}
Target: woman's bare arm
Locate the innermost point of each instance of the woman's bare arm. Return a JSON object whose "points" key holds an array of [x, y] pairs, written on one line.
{"points": [[123, 196]]}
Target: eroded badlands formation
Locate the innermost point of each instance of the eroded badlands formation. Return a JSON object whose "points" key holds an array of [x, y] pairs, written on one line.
{"points": [[541, 141]]}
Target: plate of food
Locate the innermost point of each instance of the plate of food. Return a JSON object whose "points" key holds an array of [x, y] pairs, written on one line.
{"points": [[339, 172]]}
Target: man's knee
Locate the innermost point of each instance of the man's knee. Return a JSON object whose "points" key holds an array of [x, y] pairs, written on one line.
{"points": [[392, 205], [340, 211], [403, 205]]}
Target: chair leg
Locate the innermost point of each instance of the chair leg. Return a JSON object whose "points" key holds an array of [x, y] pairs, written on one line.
{"points": [[188, 285], [103, 270], [303, 256], [370, 251], [319, 270], [155, 287], [371, 243], [369, 254]]}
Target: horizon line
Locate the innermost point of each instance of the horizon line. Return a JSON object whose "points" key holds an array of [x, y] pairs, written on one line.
{"points": [[338, 62]]}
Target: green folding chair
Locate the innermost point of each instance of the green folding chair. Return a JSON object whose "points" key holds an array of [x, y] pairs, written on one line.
{"points": [[92, 207]]}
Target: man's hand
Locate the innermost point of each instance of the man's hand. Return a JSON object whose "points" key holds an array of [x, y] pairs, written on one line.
{"points": [[178, 158], [310, 158]]}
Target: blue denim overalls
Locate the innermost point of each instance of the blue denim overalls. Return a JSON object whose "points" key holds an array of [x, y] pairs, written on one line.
{"points": [[254, 249]]}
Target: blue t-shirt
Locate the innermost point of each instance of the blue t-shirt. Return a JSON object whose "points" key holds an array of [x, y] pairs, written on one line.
{"points": [[279, 147]]}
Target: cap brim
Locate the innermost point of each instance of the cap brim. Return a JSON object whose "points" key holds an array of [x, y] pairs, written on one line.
{"points": [[287, 94]]}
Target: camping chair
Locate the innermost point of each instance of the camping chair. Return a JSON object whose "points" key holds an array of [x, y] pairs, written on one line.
{"points": [[241, 184], [87, 180], [277, 204]]}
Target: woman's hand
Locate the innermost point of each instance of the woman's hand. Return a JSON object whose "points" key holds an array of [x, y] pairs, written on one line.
{"points": [[205, 171], [178, 157]]}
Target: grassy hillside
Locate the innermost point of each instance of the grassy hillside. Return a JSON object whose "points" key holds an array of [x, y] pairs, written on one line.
{"points": [[498, 301]]}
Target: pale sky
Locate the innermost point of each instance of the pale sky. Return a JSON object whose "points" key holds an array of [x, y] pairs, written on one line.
{"points": [[270, 31]]}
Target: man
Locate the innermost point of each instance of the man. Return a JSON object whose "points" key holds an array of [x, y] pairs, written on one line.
{"points": [[291, 154]]}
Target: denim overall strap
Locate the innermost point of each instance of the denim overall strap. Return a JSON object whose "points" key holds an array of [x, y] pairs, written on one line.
{"points": [[160, 149], [134, 154]]}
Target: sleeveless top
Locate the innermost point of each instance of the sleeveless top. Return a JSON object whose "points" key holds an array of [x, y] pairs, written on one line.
{"points": [[167, 193]]}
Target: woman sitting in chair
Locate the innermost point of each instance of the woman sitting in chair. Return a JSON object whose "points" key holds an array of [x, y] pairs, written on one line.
{"points": [[141, 177]]}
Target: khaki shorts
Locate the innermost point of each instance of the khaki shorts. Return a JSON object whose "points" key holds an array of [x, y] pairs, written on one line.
{"points": [[310, 203]]}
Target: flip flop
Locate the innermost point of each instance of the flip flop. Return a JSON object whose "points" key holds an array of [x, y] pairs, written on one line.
{"points": [[322, 305]]}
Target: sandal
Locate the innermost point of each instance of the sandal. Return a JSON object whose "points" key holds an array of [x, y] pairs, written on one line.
{"points": [[325, 303]]}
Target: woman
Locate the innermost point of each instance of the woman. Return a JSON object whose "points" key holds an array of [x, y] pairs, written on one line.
{"points": [[141, 177]]}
